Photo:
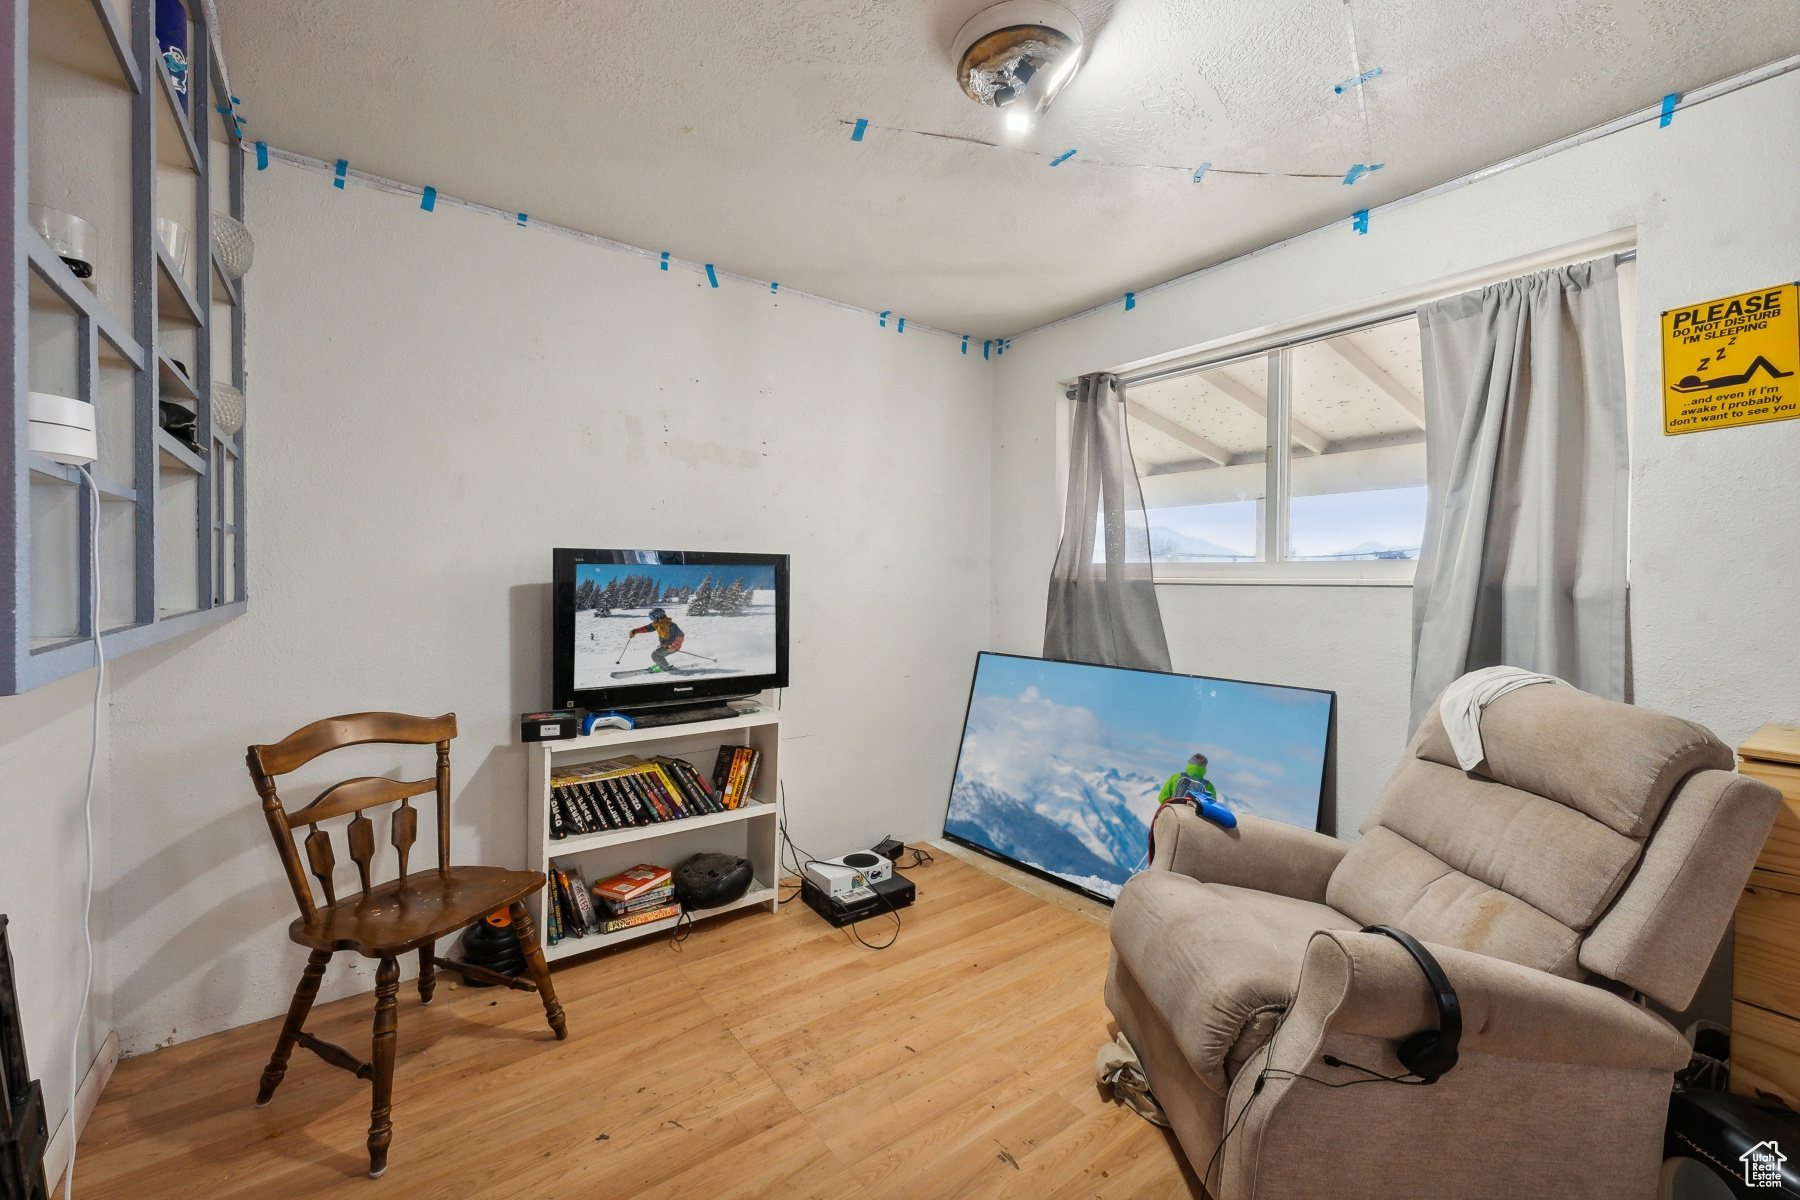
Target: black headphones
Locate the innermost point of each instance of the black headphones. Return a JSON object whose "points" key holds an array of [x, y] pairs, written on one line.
{"points": [[1429, 1053]]}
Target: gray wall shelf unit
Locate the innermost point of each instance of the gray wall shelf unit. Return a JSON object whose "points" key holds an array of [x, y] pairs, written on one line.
{"points": [[97, 128]]}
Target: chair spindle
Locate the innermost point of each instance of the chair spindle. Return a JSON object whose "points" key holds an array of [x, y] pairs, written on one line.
{"points": [[362, 846], [406, 832], [322, 860]]}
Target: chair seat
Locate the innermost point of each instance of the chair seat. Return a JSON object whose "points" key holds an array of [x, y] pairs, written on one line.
{"points": [[1220, 964], [406, 913]]}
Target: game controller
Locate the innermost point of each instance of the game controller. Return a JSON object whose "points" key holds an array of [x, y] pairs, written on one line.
{"points": [[1217, 813], [612, 720]]}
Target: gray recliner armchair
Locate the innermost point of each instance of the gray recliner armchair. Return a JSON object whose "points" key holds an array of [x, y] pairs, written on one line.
{"points": [[1593, 857]]}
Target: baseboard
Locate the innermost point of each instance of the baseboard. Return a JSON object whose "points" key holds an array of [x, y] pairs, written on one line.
{"points": [[87, 1098]]}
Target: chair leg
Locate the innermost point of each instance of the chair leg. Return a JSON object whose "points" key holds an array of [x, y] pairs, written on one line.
{"points": [[540, 970], [427, 972], [381, 1125], [290, 1029]]}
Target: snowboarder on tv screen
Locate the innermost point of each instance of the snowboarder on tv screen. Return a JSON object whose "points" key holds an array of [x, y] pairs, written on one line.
{"points": [[668, 638], [1191, 786]]}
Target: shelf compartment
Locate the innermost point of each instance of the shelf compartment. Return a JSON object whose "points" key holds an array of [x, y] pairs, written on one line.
{"points": [[568, 947], [226, 288], [86, 36], [619, 837], [183, 127], [179, 455], [174, 298], [173, 381], [54, 272]]}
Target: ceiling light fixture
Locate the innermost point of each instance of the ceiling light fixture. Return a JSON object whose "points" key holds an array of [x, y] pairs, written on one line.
{"points": [[1017, 56]]}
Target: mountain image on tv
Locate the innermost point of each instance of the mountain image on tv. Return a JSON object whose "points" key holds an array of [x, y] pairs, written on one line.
{"points": [[1061, 763], [661, 623]]}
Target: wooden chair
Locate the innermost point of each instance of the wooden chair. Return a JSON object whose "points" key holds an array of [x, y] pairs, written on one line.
{"points": [[387, 920]]}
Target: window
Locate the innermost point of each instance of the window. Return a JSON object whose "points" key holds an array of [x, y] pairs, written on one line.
{"points": [[1348, 485]]}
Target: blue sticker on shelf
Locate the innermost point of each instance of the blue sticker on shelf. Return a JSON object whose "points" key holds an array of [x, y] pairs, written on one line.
{"points": [[902, 325], [522, 219], [1201, 170], [428, 201], [965, 347], [883, 316], [774, 287], [862, 127], [987, 346], [1359, 170], [262, 156], [665, 260], [1130, 301], [1345, 86], [1359, 220], [1668, 109], [711, 275], [1062, 158], [343, 172]]}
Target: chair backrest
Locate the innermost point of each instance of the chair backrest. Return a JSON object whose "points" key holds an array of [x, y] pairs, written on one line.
{"points": [[351, 796], [1595, 837]]}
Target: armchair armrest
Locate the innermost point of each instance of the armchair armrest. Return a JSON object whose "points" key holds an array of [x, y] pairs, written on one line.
{"points": [[1364, 985], [1262, 854]]}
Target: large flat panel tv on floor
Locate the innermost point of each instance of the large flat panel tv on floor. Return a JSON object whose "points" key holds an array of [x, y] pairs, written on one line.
{"points": [[646, 628], [1061, 763]]}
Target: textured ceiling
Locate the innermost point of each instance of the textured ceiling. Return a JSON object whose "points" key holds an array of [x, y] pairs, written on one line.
{"points": [[713, 130]]}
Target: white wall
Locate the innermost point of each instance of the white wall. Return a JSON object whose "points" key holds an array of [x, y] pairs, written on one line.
{"points": [[437, 400], [1714, 626], [45, 737]]}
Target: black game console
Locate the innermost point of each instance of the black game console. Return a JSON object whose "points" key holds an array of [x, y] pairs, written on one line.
{"points": [[887, 896]]}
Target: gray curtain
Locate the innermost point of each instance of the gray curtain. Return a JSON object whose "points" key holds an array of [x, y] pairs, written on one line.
{"points": [[1527, 470], [1104, 612]]}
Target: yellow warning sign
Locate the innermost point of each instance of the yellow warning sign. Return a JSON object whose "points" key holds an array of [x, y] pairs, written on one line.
{"points": [[1734, 361]]}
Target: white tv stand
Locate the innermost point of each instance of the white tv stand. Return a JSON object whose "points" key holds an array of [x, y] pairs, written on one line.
{"points": [[751, 831]]}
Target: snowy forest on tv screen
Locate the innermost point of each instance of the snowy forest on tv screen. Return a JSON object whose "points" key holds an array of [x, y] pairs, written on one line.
{"points": [[647, 624], [1062, 763]]}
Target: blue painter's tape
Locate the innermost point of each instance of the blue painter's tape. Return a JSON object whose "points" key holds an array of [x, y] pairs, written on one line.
{"points": [[1668, 111], [774, 287], [712, 276], [1345, 86], [343, 172], [884, 316], [262, 156], [221, 110], [1004, 343], [1201, 170], [1359, 220], [522, 219], [902, 325], [862, 127], [1359, 170], [1062, 158], [965, 347], [1130, 301], [665, 260], [428, 201], [986, 346]]}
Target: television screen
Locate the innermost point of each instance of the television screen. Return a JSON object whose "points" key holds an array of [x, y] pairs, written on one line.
{"points": [[1062, 763], [643, 626]]}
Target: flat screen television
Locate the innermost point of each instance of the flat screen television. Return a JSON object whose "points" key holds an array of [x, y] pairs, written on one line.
{"points": [[648, 628], [1061, 763]]}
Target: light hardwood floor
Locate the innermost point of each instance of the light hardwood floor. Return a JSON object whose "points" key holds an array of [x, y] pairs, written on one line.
{"points": [[769, 1056]]}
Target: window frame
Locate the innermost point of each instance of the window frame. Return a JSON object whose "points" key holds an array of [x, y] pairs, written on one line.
{"points": [[1275, 341]]}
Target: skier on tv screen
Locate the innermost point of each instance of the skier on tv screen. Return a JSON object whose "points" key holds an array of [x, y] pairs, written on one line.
{"points": [[1191, 785], [668, 637]]}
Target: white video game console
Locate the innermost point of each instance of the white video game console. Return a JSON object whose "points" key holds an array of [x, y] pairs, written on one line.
{"points": [[850, 875]]}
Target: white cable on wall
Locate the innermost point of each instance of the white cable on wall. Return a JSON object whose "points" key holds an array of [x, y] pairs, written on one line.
{"points": [[87, 813]]}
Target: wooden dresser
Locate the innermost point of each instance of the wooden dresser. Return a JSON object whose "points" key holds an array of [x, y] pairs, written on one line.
{"points": [[1765, 983]]}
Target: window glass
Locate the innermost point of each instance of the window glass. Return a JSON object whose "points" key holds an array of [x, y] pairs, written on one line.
{"points": [[1199, 442], [1357, 424]]}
